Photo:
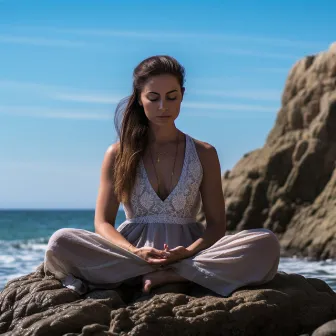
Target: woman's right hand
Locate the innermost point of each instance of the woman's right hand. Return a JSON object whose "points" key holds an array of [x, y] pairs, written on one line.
{"points": [[152, 255]]}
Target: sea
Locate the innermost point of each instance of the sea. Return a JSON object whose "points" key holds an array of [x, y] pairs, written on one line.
{"points": [[24, 236]]}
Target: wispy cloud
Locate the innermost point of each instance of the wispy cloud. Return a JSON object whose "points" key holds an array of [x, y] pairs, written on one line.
{"points": [[260, 95], [86, 98], [266, 40], [5, 83], [48, 166], [45, 42], [157, 35], [54, 113], [62, 93], [192, 113], [256, 53], [63, 43], [228, 107]]}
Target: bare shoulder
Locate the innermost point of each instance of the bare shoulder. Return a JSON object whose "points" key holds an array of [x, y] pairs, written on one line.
{"points": [[111, 152], [205, 151], [109, 160]]}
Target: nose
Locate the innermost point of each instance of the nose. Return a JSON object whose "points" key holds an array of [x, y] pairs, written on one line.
{"points": [[161, 107]]}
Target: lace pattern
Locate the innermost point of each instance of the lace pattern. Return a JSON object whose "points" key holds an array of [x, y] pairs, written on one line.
{"points": [[182, 203], [161, 218]]}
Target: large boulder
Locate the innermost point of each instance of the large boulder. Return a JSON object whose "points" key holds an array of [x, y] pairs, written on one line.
{"points": [[37, 304], [289, 185]]}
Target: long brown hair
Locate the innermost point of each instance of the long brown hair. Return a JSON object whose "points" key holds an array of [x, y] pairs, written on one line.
{"points": [[132, 124]]}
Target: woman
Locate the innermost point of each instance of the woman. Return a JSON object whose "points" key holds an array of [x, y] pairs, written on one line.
{"points": [[160, 175]]}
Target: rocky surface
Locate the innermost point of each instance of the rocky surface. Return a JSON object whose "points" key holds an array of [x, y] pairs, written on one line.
{"points": [[289, 185], [37, 304]]}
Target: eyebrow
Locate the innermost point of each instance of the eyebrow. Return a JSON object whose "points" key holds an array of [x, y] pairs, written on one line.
{"points": [[159, 93]]}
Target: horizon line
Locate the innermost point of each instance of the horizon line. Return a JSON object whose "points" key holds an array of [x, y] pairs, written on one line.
{"points": [[47, 209]]}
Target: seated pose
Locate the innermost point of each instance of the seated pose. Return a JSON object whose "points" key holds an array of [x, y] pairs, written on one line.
{"points": [[160, 175]]}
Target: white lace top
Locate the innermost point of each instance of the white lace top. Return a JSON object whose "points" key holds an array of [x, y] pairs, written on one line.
{"points": [[151, 221]]}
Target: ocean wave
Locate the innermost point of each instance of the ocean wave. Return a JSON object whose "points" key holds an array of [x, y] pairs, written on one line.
{"points": [[26, 244]]}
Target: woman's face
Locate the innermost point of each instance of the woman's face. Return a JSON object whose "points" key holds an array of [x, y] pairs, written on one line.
{"points": [[161, 99]]}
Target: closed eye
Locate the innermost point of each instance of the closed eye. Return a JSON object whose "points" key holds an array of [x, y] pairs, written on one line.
{"points": [[153, 100]]}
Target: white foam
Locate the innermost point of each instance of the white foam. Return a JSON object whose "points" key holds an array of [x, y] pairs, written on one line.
{"points": [[6, 259]]}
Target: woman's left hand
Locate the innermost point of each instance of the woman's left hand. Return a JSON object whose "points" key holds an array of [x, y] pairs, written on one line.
{"points": [[175, 254]]}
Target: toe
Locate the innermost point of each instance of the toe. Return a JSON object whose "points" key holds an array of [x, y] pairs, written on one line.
{"points": [[147, 286]]}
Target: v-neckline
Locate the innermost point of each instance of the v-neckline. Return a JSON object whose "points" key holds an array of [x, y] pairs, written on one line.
{"points": [[179, 180]]}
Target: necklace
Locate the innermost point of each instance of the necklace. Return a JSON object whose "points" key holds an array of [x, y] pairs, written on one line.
{"points": [[158, 161], [158, 156]]}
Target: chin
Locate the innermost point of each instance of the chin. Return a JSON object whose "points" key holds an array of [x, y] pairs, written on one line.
{"points": [[157, 120], [164, 123]]}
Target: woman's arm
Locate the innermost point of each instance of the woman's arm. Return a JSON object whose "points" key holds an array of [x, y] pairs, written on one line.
{"points": [[107, 203], [212, 198]]}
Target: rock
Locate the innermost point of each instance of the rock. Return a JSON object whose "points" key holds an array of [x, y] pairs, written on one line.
{"points": [[289, 185], [327, 329], [37, 304]]}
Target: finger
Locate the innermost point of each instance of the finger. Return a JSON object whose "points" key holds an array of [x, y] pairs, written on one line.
{"points": [[177, 248], [153, 257], [156, 257], [161, 254], [156, 261], [170, 258], [166, 255], [156, 251]]}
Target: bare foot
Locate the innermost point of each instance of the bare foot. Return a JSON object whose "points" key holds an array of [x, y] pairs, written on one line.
{"points": [[157, 278]]}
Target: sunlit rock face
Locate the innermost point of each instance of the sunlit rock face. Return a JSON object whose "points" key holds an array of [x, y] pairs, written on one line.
{"points": [[289, 185]]}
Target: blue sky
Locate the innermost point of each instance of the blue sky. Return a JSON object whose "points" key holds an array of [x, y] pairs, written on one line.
{"points": [[65, 65]]}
